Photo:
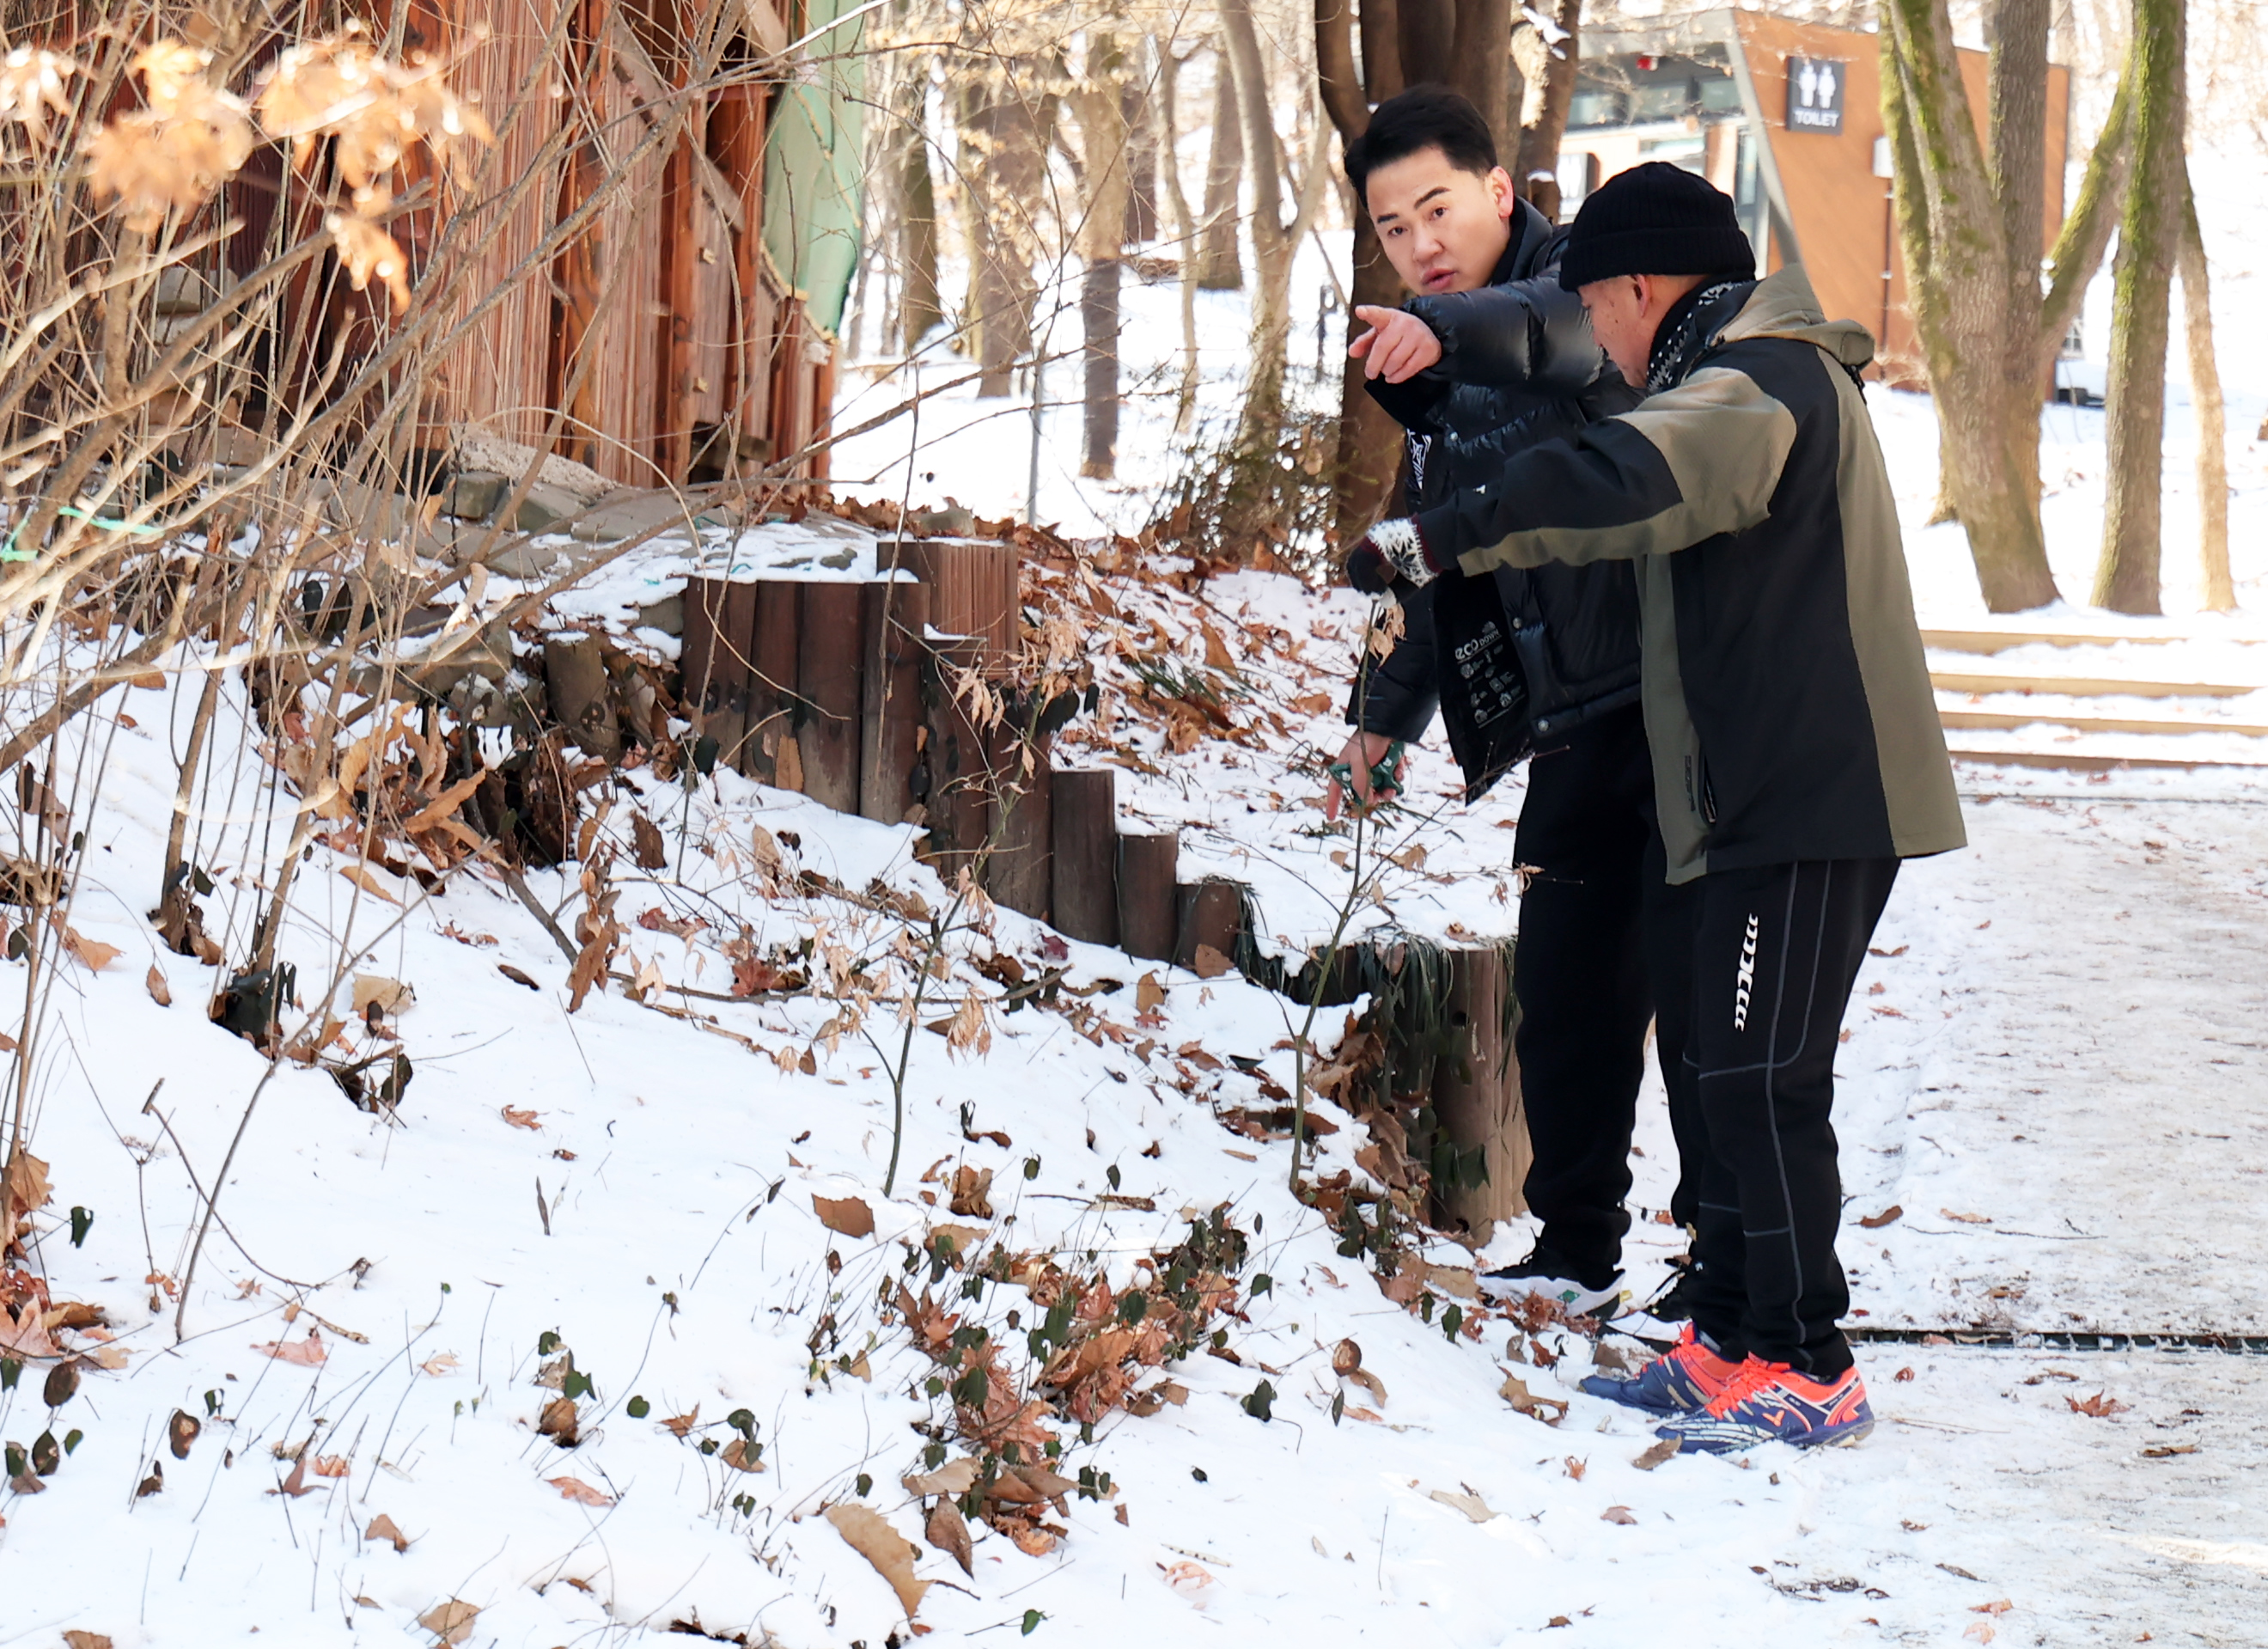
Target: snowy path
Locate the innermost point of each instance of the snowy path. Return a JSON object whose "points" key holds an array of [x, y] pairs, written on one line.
{"points": [[2078, 1053]]}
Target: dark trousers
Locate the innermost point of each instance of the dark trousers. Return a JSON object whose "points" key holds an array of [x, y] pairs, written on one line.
{"points": [[1595, 919], [1775, 951]]}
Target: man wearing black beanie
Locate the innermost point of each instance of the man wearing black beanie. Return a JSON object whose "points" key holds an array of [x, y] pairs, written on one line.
{"points": [[1796, 749]]}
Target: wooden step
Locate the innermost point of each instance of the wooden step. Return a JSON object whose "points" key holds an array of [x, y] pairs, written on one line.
{"points": [[2075, 761], [2006, 721], [2084, 686], [2001, 640]]}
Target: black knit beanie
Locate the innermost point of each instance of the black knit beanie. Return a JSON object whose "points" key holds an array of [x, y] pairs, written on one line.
{"points": [[1655, 219]]}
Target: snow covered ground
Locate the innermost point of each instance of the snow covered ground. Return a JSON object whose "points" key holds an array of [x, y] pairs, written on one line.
{"points": [[2055, 1070]]}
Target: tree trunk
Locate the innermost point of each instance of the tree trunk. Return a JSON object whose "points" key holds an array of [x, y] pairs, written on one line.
{"points": [[1482, 64], [1260, 428], [1427, 35], [1141, 163], [1959, 261], [2149, 236], [1369, 440], [1099, 103], [2212, 411], [1539, 144], [1185, 232], [1220, 262], [921, 308], [1098, 313], [1003, 168], [1379, 26]]}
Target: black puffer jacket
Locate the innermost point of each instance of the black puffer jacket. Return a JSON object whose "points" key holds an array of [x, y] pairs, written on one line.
{"points": [[1519, 367]]}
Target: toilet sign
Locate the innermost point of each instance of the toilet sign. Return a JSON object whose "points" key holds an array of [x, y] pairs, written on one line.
{"points": [[1815, 95]]}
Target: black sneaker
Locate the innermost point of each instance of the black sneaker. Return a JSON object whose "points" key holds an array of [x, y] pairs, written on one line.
{"points": [[1673, 1301], [1544, 1274]]}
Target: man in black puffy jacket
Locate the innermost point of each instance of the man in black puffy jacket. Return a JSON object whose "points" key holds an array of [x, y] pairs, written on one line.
{"points": [[1492, 357]]}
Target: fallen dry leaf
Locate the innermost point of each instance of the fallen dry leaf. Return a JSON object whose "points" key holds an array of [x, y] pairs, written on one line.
{"points": [[441, 1363], [2167, 1451], [1576, 1467], [1457, 1280], [1877, 1221], [296, 1484], [75, 1639], [2101, 1406], [451, 1621], [1148, 993], [1472, 1505], [947, 1531], [1191, 1580], [847, 1217], [522, 1120], [1209, 963], [388, 996], [1551, 1410], [1998, 1606], [678, 1426], [308, 1353], [580, 1492], [181, 1432], [96, 954], [955, 1478], [1617, 1514], [1655, 1453], [332, 1466], [1966, 1219], [558, 1422], [1980, 1632], [161, 992], [383, 1527], [870, 1535], [972, 1192], [742, 1455], [371, 885]]}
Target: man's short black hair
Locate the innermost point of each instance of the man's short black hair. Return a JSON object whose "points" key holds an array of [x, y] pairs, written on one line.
{"points": [[1423, 117]]}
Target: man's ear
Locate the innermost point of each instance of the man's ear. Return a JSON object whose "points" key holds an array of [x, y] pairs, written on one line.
{"points": [[1501, 193]]}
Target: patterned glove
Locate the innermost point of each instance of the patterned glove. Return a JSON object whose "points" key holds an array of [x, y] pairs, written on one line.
{"points": [[1392, 549]]}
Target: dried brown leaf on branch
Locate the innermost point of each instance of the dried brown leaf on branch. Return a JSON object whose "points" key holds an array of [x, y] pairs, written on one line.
{"points": [[31, 88], [92, 953], [172, 155], [367, 253], [892, 1554]]}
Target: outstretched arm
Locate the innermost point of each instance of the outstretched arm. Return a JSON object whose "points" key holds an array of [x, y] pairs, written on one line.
{"points": [[1701, 459]]}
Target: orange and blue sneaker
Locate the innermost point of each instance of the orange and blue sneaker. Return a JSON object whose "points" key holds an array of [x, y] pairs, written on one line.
{"points": [[1770, 1402], [1681, 1380]]}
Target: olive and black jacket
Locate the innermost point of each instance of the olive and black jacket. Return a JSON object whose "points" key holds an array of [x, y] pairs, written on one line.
{"points": [[1787, 703], [1519, 367]]}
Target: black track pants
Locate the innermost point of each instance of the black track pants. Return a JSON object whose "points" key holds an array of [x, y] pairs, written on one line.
{"points": [[1775, 954], [1596, 910]]}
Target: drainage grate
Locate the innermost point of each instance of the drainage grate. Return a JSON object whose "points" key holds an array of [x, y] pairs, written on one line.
{"points": [[2234, 1344]]}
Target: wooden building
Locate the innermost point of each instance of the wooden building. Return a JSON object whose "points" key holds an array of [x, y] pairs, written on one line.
{"points": [[1787, 118], [658, 243]]}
